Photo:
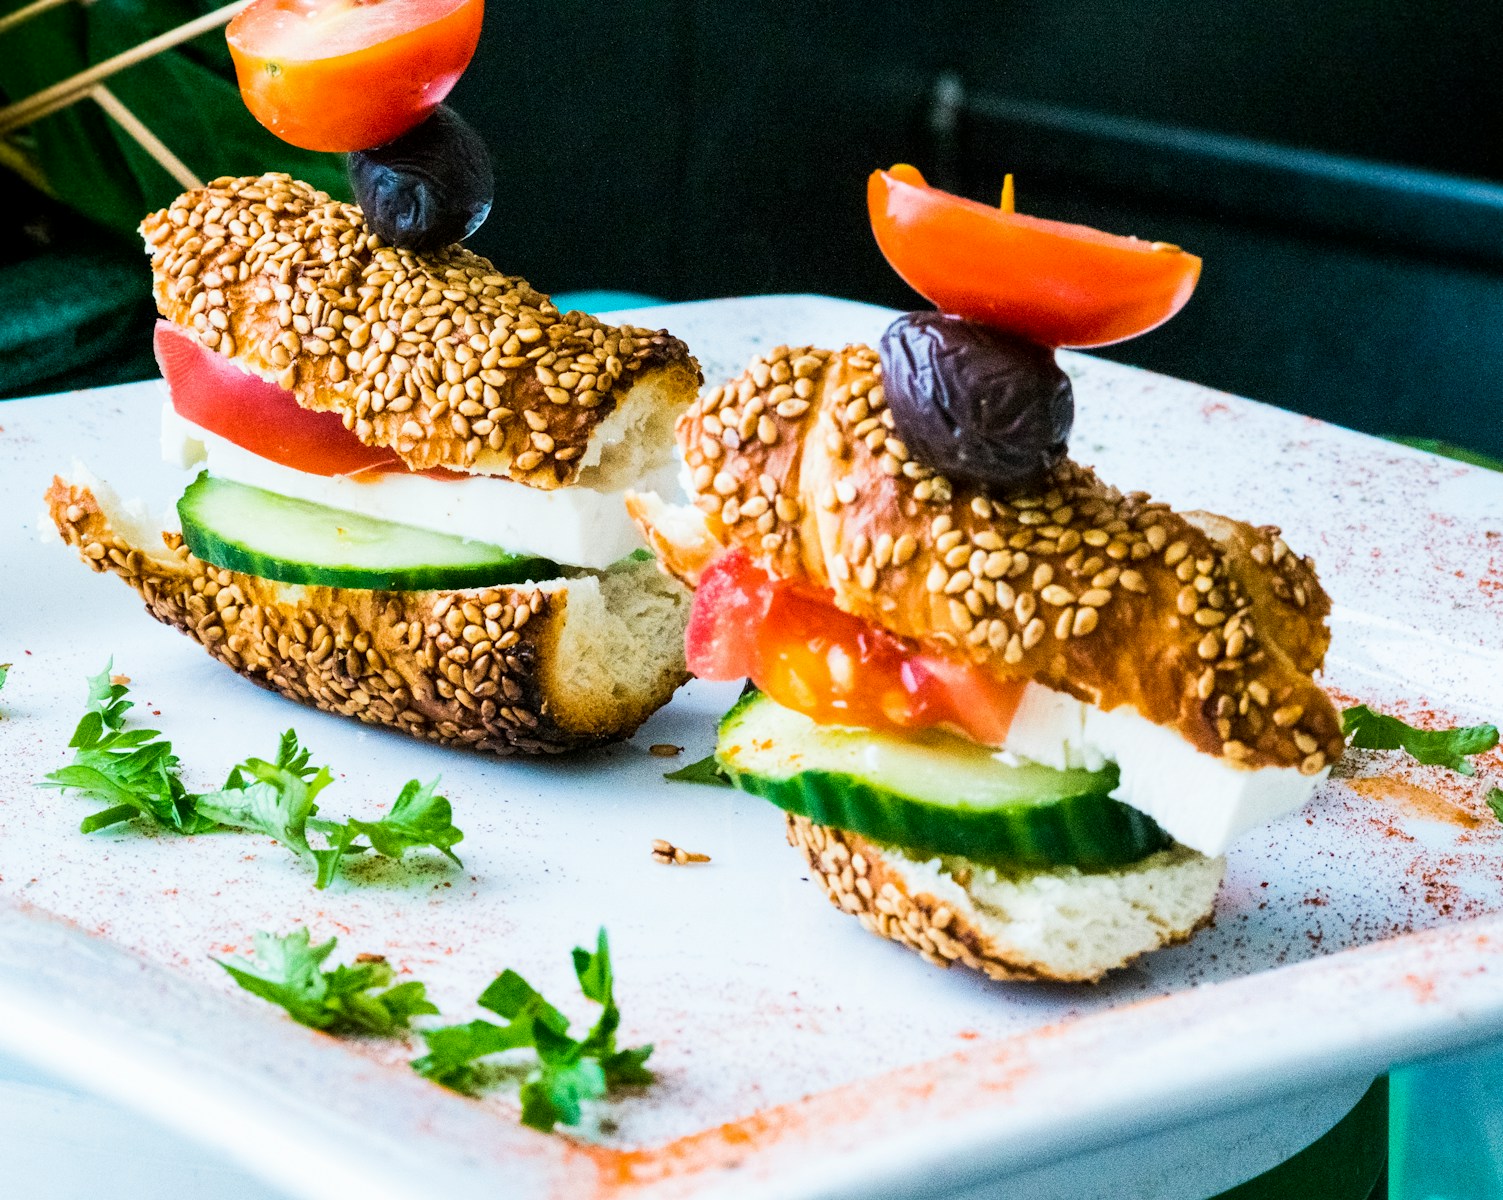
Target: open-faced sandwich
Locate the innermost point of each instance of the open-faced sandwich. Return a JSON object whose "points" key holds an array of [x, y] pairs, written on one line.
{"points": [[1014, 715], [410, 509]]}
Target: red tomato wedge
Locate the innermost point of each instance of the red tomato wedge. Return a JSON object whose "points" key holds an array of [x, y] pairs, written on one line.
{"points": [[350, 74], [1051, 282], [212, 392], [808, 655]]}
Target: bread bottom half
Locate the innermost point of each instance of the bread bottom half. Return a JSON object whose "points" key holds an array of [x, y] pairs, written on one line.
{"points": [[1066, 924], [527, 668]]}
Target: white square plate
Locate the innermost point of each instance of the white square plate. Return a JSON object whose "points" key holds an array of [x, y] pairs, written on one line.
{"points": [[798, 1056]]}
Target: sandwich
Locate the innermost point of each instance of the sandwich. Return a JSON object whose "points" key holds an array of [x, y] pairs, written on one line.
{"points": [[409, 506], [1014, 715]]}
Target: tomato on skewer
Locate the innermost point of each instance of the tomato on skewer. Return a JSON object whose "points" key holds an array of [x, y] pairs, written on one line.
{"points": [[350, 74], [1054, 283]]}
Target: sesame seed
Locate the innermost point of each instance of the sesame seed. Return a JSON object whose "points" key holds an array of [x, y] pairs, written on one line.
{"points": [[1288, 714]]}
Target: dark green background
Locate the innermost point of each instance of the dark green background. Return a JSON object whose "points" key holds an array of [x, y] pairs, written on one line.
{"points": [[707, 149]]}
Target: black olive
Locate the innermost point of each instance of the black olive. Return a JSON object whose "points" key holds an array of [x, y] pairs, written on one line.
{"points": [[976, 404], [429, 188]]}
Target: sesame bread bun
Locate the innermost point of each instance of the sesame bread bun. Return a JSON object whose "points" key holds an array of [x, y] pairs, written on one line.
{"points": [[1072, 585], [532, 668], [436, 355], [1063, 924]]}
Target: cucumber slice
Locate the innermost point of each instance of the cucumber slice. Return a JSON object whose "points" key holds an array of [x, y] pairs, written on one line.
{"points": [[261, 533], [932, 794]]}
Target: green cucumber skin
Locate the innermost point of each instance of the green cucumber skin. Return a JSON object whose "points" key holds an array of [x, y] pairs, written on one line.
{"points": [[491, 566], [1089, 830]]}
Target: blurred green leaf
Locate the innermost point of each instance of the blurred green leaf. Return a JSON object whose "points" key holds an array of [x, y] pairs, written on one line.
{"points": [[1448, 450], [186, 96]]}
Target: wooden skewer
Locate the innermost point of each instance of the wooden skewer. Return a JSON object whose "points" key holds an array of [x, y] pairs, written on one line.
{"points": [[35, 9], [74, 88], [148, 141]]}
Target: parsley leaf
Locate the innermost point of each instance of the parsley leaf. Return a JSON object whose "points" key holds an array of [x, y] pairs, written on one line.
{"points": [[131, 771], [1495, 802], [287, 971], [418, 817], [135, 773], [706, 770], [4, 673], [279, 799], [274, 798], [1369, 730], [568, 1072]]}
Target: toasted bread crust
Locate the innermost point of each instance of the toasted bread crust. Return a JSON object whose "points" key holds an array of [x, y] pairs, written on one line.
{"points": [[859, 878], [478, 668], [440, 357], [1208, 626]]}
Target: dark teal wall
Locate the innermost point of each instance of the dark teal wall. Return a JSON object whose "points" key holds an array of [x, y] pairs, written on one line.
{"points": [[713, 149]]}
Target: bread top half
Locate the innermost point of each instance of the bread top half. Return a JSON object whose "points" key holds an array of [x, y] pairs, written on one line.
{"points": [[438, 356], [1203, 624]]}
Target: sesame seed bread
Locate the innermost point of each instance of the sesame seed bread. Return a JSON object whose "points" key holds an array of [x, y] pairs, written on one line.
{"points": [[1202, 624], [438, 356], [530, 668], [1064, 925]]}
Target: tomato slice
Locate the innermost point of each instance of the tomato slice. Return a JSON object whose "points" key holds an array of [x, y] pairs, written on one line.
{"points": [[1051, 282], [350, 74], [212, 392], [808, 655]]}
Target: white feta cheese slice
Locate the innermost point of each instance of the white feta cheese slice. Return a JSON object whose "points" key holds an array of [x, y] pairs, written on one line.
{"points": [[1202, 801], [576, 526]]}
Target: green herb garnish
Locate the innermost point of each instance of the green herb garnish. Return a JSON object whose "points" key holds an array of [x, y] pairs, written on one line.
{"points": [[278, 799], [135, 773], [568, 1071], [131, 771], [287, 971], [418, 817], [1495, 802], [1369, 730], [707, 770]]}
